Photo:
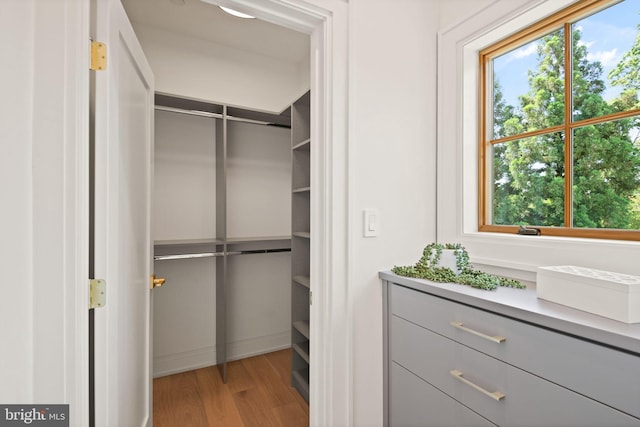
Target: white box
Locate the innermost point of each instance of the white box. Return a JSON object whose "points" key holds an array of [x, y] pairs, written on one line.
{"points": [[612, 295]]}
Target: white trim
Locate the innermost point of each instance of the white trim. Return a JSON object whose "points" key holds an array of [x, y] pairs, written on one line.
{"points": [[457, 157], [202, 357], [68, 270], [77, 259]]}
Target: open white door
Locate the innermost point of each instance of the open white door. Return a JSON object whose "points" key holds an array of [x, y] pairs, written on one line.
{"points": [[122, 232]]}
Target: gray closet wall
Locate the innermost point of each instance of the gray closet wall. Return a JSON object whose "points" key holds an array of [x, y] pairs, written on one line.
{"points": [[223, 209]]}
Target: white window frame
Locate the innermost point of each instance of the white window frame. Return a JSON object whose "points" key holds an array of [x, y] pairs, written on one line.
{"points": [[457, 157]]}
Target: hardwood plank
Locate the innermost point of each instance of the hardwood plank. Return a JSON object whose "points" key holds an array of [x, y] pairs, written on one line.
{"points": [[265, 376], [217, 400], [281, 362], [238, 379], [292, 415], [254, 409], [162, 402], [182, 403]]}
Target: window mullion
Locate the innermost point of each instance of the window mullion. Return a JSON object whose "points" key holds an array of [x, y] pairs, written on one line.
{"points": [[568, 134]]}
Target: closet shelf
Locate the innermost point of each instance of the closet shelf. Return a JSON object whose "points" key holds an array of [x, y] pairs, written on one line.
{"points": [[300, 254], [257, 239], [300, 380], [216, 254], [206, 248], [302, 349], [187, 249], [185, 242], [302, 326], [259, 244], [302, 280], [304, 145]]}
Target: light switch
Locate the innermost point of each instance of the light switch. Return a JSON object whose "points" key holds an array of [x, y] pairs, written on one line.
{"points": [[371, 222]]}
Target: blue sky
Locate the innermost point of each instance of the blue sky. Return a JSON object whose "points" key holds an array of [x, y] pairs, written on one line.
{"points": [[608, 35]]}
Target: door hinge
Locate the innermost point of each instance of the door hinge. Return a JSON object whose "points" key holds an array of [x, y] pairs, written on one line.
{"points": [[310, 297], [98, 56], [97, 293]]}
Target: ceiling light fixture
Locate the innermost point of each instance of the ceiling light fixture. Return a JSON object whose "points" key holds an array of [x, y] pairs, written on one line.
{"points": [[236, 13]]}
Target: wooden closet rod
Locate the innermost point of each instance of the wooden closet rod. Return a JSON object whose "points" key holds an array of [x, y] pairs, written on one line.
{"points": [[214, 115]]}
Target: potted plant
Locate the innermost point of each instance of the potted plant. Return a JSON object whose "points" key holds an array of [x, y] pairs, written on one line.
{"points": [[449, 262], [449, 255]]}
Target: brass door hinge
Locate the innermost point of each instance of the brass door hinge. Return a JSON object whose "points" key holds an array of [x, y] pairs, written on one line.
{"points": [[98, 56], [97, 293]]}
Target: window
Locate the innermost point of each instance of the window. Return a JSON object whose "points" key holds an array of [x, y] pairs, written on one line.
{"points": [[560, 125]]}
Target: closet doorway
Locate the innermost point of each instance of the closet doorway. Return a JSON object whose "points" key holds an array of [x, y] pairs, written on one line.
{"points": [[216, 63]]}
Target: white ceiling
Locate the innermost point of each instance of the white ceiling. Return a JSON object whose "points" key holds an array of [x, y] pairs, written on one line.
{"points": [[205, 21]]}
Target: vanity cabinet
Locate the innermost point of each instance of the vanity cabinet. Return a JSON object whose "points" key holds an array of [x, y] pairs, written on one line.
{"points": [[456, 356]]}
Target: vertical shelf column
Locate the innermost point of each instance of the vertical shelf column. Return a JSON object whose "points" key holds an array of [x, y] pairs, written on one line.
{"points": [[300, 243], [221, 233]]}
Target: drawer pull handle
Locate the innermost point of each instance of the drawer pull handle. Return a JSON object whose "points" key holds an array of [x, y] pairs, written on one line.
{"points": [[496, 395], [497, 338]]}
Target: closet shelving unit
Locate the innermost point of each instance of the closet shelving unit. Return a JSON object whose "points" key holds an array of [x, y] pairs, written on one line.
{"points": [[222, 245], [300, 243]]}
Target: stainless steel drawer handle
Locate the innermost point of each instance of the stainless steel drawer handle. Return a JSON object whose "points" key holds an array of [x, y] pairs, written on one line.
{"points": [[496, 395], [496, 338]]}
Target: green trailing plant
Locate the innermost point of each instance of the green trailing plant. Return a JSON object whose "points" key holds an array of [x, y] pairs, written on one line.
{"points": [[427, 268]]}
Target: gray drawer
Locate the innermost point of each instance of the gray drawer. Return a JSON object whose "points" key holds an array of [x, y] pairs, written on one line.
{"points": [[415, 403], [528, 399], [587, 368]]}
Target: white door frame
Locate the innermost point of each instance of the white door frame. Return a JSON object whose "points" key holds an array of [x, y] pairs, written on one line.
{"points": [[331, 374], [330, 318]]}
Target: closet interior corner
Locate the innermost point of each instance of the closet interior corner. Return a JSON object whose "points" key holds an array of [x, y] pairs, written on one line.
{"points": [[231, 222]]}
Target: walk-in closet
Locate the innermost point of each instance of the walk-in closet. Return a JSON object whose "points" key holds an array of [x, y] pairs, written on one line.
{"points": [[231, 201]]}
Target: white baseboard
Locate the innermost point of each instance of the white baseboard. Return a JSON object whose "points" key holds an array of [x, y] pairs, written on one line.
{"points": [[259, 345], [189, 360], [183, 361]]}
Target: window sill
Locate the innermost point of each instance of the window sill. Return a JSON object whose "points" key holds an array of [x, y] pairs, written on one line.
{"points": [[518, 256]]}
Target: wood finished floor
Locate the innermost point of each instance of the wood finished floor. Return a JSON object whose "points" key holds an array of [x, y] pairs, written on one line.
{"points": [[257, 393]]}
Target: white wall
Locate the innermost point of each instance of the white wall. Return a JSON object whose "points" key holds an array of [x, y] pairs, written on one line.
{"points": [[392, 139], [454, 11], [204, 70], [16, 304], [258, 180], [184, 177]]}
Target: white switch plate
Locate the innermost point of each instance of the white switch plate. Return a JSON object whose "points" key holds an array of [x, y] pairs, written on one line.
{"points": [[371, 222]]}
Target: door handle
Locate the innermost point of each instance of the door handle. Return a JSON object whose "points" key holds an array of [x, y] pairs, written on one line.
{"points": [[156, 282]]}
